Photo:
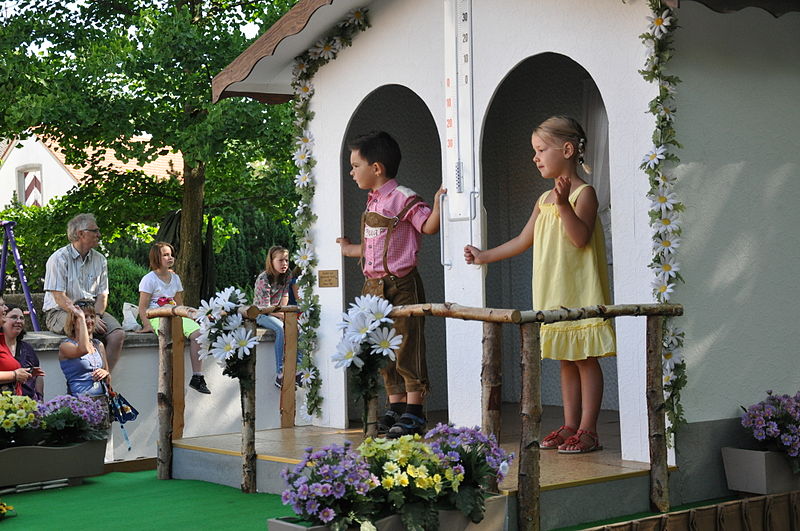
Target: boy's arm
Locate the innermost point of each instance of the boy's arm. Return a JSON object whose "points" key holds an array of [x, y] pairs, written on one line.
{"points": [[352, 250], [431, 225]]}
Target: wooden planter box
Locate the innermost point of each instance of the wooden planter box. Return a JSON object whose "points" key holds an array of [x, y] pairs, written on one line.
{"points": [[33, 464], [758, 472], [493, 520]]}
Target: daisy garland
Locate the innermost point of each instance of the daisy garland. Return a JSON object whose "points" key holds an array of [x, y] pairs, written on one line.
{"points": [[665, 206], [306, 65]]}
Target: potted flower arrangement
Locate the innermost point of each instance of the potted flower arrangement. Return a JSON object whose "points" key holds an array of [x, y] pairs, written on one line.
{"points": [[775, 424], [414, 483], [368, 341], [64, 437]]}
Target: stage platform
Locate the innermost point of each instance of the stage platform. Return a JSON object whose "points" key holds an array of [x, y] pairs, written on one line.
{"points": [[575, 488]]}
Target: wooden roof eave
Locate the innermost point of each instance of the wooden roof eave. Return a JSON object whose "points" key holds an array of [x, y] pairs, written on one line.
{"points": [[274, 52]]}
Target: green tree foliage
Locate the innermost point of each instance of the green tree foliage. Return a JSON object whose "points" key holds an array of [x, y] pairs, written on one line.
{"points": [[124, 276], [94, 75]]}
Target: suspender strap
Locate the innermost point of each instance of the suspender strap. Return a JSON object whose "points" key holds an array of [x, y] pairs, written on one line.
{"points": [[390, 230]]}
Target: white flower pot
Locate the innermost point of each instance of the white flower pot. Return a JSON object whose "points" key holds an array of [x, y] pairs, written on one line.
{"points": [[31, 464], [758, 472], [390, 523]]}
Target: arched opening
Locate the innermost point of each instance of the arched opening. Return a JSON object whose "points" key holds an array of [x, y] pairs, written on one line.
{"points": [[401, 113], [537, 88]]}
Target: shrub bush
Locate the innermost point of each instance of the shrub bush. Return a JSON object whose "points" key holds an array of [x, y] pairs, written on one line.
{"points": [[124, 276]]}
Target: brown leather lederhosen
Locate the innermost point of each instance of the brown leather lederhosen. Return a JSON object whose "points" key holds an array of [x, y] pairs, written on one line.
{"points": [[409, 372]]}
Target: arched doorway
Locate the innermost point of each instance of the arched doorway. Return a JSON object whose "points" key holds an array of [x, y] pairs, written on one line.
{"points": [[537, 88], [404, 115]]}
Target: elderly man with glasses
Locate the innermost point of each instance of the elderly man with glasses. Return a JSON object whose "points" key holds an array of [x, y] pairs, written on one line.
{"points": [[77, 272]]}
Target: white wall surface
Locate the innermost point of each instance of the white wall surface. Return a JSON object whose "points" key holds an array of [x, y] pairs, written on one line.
{"points": [[739, 176], [56, 180]]}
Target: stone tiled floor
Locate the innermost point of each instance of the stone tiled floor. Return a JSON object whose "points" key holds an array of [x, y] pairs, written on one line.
{"points": [[557, 470]]}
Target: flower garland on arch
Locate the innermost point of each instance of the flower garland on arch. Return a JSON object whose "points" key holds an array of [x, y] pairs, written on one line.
{"points": [[665, 207], [305, 66]]}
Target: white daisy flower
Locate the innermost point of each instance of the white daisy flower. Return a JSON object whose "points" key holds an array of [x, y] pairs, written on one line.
{"points": [[673, 336], [302, 319], [306, 376], [666, 245], [360, 325], [304, 90], [245, 341], [302, 179], [304, 256], [669, 377], [301, 156], [650, 47], [662, 199], [380, 310], [224, 301], [665, 179], [324, 49], [300, 67], [306, 140], [306, 240], [207, 308], [662, 289], [654, 156], [365, 303], [667, 223], [384, 341], [671, 358], [356, 17], [667, 269], [659, 24], [666, 113], [347, 354], [667, 87], [232, 322], [344, 324], [224, 347]]}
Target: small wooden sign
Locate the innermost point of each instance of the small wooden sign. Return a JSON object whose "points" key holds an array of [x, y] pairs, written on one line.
{"points": [[328, 278]]}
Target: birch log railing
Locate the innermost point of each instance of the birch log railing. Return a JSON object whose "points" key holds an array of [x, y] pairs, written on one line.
{"points": [[528, 516], [171, 383]]}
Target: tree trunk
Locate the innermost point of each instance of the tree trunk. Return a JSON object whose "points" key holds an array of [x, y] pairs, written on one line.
{"points": [[371, 417], [492, 378], [164, 398], [247, 392], [659, 475], [528, 518], [190, 256]]}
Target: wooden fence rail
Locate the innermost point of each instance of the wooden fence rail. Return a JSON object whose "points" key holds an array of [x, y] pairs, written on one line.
{"points": [[171, 383], [530, 399]]}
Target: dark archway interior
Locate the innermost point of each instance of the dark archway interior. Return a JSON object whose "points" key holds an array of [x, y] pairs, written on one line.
{"points": [[539, 87], [400, 112]]}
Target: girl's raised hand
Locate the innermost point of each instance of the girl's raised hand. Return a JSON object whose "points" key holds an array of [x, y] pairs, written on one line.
{"points": [[472, 255], [563, 185]]}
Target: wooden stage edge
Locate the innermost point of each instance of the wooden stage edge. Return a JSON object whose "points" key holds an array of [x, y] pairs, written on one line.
{"points": [[558, 471]]}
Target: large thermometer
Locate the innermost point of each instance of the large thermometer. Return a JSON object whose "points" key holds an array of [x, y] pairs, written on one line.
{"points": [[459, 152]]}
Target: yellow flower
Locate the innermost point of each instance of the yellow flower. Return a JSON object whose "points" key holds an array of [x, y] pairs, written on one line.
{"points": [[422, 471], [437, 483], [448, 474], [387, 482], [401, 479], [390, 467], [412, 471], [7, 424]]}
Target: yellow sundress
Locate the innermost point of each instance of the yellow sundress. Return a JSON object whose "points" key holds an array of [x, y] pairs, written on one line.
{"points": [[564, 275]]}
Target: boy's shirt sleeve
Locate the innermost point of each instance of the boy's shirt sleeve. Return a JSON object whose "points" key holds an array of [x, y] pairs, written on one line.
{"points": [[418, 214]]}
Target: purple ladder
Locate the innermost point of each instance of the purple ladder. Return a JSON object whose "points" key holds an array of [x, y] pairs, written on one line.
{"points": [[8, 227]]}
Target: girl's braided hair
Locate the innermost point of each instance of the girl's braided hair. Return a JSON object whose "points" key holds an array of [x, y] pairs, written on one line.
{"points": [[566, 129]]}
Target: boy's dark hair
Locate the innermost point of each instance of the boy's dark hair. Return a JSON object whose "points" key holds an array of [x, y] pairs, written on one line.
{"points": [[378, 146]]}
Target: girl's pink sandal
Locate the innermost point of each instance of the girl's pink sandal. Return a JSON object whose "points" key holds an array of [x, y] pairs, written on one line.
{"points": [[556, 439], [584, 441]]}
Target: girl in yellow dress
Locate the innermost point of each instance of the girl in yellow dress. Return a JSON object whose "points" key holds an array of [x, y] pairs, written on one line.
{"points": [[569, 270]]}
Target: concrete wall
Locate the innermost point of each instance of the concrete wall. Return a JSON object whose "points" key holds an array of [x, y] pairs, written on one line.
{"points": [[136, 378], [56, 181]]}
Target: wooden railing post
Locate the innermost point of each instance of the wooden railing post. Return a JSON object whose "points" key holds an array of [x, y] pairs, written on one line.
{"points": [[659, 475], [178, 378], [164, 399], [247, 395], [492, 379], [528, 516], [289, 369]]}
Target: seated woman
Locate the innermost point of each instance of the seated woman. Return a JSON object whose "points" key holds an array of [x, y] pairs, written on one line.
{"points": [[14, 330], [83, 358], [162, 286], [12, 375]]}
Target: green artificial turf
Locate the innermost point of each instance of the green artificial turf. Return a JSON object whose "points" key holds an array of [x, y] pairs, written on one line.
{"points": [[138, 501]]}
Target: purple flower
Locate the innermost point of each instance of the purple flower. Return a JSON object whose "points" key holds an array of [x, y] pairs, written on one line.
{"points": [[338, 490], [327, 514], [312, 506]]}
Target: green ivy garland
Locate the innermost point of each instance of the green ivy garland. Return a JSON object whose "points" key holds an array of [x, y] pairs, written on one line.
{"points": [[305, 66], [665, 208]]}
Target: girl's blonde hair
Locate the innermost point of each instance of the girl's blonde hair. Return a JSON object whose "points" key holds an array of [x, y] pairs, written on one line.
{"points": [[565, 129], [273, 275]]}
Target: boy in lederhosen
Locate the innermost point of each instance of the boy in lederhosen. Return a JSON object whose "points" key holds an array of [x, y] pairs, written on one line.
{"points": [[391, 228]]}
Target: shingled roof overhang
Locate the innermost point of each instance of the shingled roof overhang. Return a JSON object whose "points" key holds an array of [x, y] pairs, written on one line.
{"points": [[264, 70]]}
